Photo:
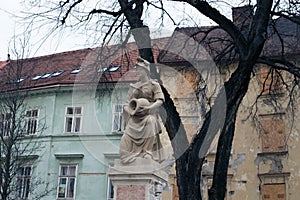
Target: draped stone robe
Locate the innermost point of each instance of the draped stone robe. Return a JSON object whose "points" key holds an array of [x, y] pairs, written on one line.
{"points": [[141, 135]]}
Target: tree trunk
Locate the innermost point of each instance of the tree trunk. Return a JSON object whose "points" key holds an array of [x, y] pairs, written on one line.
{"points": [[236, 88], [173, 122]]}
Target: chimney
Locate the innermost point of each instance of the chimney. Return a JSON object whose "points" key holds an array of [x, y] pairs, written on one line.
{"points": [[242, 16]]}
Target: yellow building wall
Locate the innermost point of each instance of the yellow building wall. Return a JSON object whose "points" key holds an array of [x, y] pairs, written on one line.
{"points": [[250, 168]]}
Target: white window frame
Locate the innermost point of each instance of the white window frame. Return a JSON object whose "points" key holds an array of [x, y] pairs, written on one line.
{"points": [[73, 116], [5, 124], [68, 177], [118, 115], [110, 189], [31, 121], [23, 192]]}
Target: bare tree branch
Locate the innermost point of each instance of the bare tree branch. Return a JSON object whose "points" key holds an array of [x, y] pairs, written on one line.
{"points": [[280, 64], [69, 10]]}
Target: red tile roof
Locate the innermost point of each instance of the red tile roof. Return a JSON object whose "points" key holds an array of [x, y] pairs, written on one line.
{"points": [[96, 65], [187, 44], [2, 64]]}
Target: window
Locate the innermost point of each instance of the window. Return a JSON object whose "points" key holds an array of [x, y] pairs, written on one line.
{"points": [[73, 119], [76, 71], [118, 122], [110, 190], [270, 81], [19, 80], [66, 182], [23, 182], [273, 192], [5, 124], [101, 70], [37, 77], [57, 73], [114, 68], [47, 75], [31, 122], [273, 135]]}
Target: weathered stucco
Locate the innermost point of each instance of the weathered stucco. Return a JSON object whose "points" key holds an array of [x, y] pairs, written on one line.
{"points": [[250, 167]]}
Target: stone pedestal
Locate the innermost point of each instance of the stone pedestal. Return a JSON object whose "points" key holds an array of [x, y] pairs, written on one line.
{"points": [[143, 179]]}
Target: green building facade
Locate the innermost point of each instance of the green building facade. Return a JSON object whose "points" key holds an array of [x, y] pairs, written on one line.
{"points": [[75, 120], [77, 145]]}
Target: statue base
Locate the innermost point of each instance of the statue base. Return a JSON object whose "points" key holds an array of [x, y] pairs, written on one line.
{"points": [[142, 179]]}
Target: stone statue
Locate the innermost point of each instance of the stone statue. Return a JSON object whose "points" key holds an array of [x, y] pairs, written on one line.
{"points": [[143, 124]]}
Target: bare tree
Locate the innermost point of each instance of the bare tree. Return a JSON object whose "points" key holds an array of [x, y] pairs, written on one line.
{"points": [[249, 40], [20, 147], [124, 16], [243, 45]]}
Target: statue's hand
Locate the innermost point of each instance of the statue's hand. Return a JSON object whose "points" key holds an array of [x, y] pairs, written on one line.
{"points": [[126, 109], [149, 109], [142, 110]]}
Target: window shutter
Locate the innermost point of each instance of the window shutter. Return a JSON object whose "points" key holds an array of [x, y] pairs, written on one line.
{"points": [[273, 192], [273, 135], [266, 135], [279, 136]]}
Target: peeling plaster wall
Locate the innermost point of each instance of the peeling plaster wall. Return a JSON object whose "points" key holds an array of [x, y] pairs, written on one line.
{"points": [[244, 183], [180, 85], [249, 168]]}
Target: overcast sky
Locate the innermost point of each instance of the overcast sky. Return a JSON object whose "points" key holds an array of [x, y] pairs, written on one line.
{"points": [[10, 26], [63, 42], [7, 25]]}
